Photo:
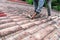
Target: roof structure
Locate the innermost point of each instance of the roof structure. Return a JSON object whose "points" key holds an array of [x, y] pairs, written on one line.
{"points": [[16, 25]]}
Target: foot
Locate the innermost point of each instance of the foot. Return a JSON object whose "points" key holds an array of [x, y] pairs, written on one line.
{"points": [[29, 16], [49, 18], [33, 16]]}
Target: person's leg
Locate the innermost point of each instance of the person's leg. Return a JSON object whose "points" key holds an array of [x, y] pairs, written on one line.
{"points": [[39, 7], [49, 7], [35, 3]]}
